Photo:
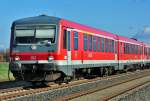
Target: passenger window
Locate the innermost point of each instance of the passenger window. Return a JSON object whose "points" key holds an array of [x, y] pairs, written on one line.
{"points": [[98, 41], [65, 39], [75, 40], [85, 42], [112, 46], [116, 47], [103, 45], [94, 42], [90, 42], [106, 45], [121, 47]]}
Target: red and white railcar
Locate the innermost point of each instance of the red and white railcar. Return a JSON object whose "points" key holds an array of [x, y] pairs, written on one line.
{"points": [[46, 48]]}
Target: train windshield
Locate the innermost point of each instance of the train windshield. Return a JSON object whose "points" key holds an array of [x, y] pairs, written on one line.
{"points": [[39, 35]]}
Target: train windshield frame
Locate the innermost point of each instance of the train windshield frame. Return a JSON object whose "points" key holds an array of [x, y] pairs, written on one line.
{"points": [[40, 35]]}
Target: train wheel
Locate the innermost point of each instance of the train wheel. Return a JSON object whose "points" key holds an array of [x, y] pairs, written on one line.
{"points": [[106, 71], [101, 72], [110, 71], [63, 79], [38, 83]]}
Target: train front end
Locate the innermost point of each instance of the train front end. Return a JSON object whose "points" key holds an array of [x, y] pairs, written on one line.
{"points": [[33, 48]]}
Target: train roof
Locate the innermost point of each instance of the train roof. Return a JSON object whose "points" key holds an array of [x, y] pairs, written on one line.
{"points": [[147, 45], [42, 19], [88, 28], [133, 41]]}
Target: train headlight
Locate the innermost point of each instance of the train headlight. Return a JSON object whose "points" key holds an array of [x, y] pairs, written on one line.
{"points": [[17, 58], [50, 58]]}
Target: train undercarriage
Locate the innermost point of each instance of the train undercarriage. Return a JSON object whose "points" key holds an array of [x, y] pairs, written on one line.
{"points": [[40, 73]]}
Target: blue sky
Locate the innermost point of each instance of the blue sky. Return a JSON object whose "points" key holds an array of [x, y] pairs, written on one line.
{"points": [[122, 17]]}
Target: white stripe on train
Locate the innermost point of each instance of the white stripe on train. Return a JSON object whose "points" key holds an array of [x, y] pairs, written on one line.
{"points": [[78, 62]]}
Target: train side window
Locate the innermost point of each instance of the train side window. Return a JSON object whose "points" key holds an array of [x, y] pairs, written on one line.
{"points": [[85, 41], [75, 40], [94, 43], [106, 45], [145, 50], [98, 43], [139, 49], [103, 45], [112, 46], [136, 49], [90, 42], [128, 49], [124, 48], [116, 47], [65, 39], [120, 47]]}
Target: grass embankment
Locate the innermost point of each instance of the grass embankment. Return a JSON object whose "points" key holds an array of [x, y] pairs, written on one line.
{"points": [[4, 72]]}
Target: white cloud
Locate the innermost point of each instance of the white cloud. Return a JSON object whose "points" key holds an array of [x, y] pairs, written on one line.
{"points": [[143, 34], [147, 29]]}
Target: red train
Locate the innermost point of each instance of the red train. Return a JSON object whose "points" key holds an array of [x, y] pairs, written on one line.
{"points": [[45, 48]]}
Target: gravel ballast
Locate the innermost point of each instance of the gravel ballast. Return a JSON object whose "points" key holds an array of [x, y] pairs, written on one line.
{"points": [[141, 93], [55, 93]]}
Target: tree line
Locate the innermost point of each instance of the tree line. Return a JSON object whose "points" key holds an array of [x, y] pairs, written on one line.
{"points": [[4, 55]]}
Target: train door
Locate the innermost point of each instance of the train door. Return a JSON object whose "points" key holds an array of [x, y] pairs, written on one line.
{"points": [[116, 55], [68, 47], [121, 62], [67, 50]]}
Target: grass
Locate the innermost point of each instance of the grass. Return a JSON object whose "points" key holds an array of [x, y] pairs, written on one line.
{"points": [[4, 72]]}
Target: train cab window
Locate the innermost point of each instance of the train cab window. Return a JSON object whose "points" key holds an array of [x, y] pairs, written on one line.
{"points": [[65, 39], [45, 35], [85, 42], [75, 40], [103, 45], [35, 35], [94, 43], [24, 36], [98, 43], [90, 42]]}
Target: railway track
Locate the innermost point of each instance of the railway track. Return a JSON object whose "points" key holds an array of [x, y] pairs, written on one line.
{"points": [[14, 93], [107, 93], [136, 85], [12, 84]]}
